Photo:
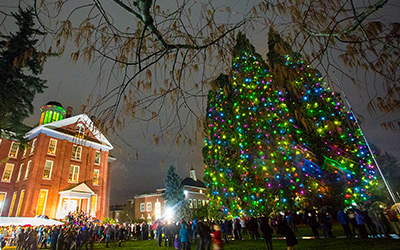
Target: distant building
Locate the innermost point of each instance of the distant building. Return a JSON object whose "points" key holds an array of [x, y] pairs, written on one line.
{"points": [[123, 213], [65, 168], [116, 211], [151, 206]]}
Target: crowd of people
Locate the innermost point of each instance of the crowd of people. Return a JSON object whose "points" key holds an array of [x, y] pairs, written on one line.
{"points": [[80, 230], [201, 233]]}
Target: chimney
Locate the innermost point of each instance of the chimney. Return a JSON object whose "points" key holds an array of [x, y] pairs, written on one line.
{"points": [[93, 118], [69, 112]]}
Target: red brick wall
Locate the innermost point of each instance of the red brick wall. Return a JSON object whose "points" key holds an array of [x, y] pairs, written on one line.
{"points": [[59, 176], [153, 199]]}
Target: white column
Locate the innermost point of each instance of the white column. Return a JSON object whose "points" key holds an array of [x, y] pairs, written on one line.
{"points": [[88, 205], [59, 208]]}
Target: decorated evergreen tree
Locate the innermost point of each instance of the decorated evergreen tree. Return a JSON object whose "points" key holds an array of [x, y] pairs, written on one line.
{"points": [[18, 56], [249, 153], [334, 151], [277, 138], [174, 195]]}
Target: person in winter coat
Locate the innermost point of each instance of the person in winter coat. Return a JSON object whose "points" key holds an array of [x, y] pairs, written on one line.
{"points": [[88, 237], [392, 215], [53, 238], [344, 221], [120, 235], [217, 238], [159, 233], [266, 231], [360, 224], [207, 237], [31, 241], [20, 239], [224, 231], [285, 230], [108, 234], [198, 234], [377, 221], [60, 240], [177, 242], [184, 236], [313, 223]]}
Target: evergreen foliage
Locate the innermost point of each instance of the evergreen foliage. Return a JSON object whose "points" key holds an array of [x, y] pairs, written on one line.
{"points": [[174, 195], [18, 56], [279, 139], [389, 165]]}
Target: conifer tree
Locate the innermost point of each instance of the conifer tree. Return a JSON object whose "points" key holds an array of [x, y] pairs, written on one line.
{"points": [[249, 154], [278, 139], [174, 195], [333, 148], [20, 65]]}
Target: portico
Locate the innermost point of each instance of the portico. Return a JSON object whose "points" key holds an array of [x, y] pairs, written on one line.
{"points": [[76, 197]]}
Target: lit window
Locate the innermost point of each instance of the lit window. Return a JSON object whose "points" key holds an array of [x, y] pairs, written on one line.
{"points": [[20, 172], [199, 201], [76, 152], [73, 173], [157, 208], [24, 152], [41, 206], [1, 141], [3, 196], [148, 206], [96, 175], [21, 199], [142, 207], [204, 202], [7, 172], [33, 146], [52, 147], [47, 170], [93, 206], [190, 203], [194, 203], [12, 204], [13, 150], [97, 157], [27, 170], [201, 191]]}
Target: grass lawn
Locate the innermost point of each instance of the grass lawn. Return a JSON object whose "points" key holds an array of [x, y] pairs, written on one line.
{"points": [[246, 244], [353, 244]]}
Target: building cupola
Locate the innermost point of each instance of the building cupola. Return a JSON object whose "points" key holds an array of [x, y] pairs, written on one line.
{"points": [[193, 174], [51, 112]]}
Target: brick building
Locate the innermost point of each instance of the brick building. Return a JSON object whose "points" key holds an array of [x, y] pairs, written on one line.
{"points": [[65, 168], [151, 206]]}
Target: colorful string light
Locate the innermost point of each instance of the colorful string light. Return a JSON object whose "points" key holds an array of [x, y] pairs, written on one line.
{"points": [[280, 141]]}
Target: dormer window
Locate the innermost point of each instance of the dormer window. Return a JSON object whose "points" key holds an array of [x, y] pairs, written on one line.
{"points": [[80, 131]]}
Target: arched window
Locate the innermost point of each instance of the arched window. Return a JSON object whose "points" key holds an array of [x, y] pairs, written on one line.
{"points": [[157, 208], [80, 130]]}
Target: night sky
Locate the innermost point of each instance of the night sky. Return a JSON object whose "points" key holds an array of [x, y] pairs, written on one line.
{"points": [[71, 84]]}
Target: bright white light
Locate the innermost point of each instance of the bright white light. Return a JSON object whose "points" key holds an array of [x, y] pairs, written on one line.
{"points": [[185, 192], [169, 213]]}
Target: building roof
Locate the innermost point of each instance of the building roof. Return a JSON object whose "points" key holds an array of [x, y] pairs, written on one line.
{"points": [[55, 103], [146, 195], [79, 188], [190, 182], [53, 129]]}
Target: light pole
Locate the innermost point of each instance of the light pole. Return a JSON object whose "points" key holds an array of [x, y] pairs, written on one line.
{"points": [[369, 148]]}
